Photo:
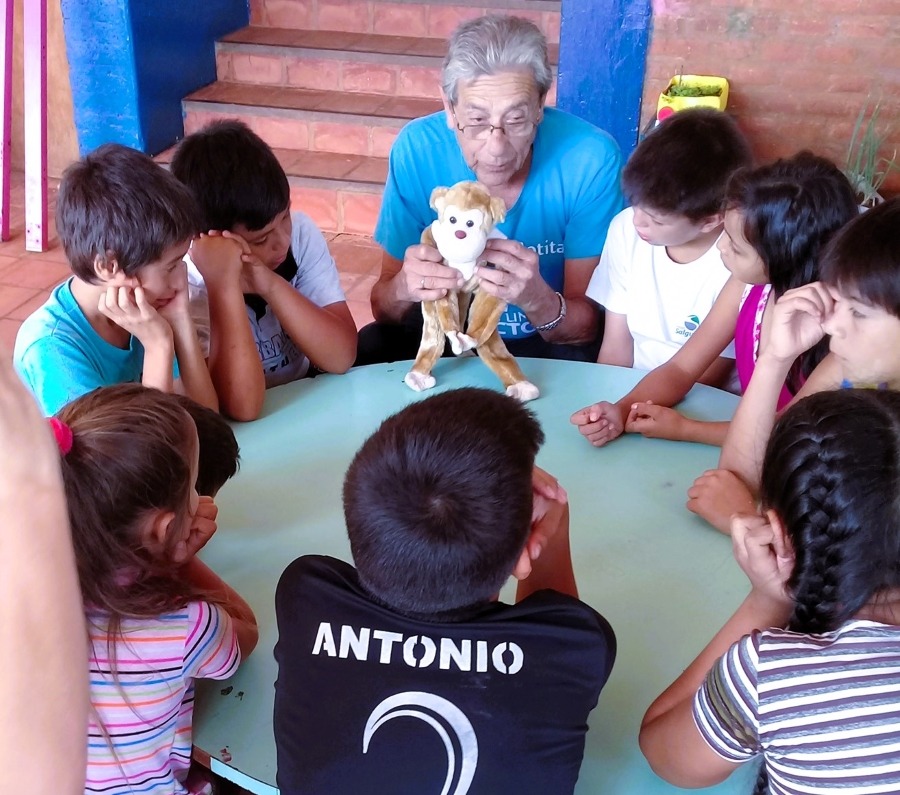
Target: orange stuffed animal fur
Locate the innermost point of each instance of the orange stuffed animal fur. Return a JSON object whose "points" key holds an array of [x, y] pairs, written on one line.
{"points": [[466, 215]]}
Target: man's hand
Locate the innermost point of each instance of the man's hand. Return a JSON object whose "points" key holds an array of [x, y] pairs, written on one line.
{"points": [[764, 556], [515, 277], [129, 309], [600, 423], [655, 422], [424, 277], [717, 495]]}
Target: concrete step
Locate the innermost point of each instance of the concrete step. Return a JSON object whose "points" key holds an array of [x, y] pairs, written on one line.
{"points": [[435, 19], [340, 192], [295, 118], [403, 66]]}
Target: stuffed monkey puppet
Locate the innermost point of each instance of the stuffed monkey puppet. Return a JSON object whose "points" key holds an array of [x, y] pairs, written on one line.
{"points": [[466, 215]]}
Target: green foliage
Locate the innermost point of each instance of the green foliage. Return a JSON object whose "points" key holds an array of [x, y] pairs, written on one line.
{"points": [[867, 167], [679, 90]]}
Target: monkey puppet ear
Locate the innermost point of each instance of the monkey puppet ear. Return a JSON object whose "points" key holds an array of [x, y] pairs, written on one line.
{"points": [[436, 202], [498, 209]]}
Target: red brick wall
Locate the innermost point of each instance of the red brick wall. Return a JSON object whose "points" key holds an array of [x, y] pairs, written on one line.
{"points": [[799, 70]]}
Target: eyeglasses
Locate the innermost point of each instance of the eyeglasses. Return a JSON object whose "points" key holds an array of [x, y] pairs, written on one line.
{"points": [[481, 132]]}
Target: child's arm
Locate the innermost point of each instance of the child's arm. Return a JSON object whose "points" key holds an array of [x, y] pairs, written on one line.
{"points": [[660, 422], [602, 422], [203, 577], [234, 363], [194, 374], [43, 689], [128, 308], [796, 326], [669, 737], [617, 347], [549, 557], [667, 384], [326, 334]]}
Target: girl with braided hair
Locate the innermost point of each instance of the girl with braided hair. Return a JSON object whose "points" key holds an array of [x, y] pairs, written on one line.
{"points": [[805, 674]]}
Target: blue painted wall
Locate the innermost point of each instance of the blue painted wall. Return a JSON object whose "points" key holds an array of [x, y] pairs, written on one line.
{"points": [[602, 59], [132, 61]]}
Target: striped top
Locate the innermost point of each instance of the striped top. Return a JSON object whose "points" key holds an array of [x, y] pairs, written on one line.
{"points": [[824, 710], [147, 707]]}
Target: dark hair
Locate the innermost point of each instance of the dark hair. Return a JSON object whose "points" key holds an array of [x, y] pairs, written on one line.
{"points": [[832, 472], [864, 257], [683, 166], [438, 500], [116, 203], [791, 209], [234, 174], [130, 454], [219, 452]]}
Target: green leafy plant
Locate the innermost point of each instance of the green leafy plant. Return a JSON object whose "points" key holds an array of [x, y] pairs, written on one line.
{"points": [[678, 90], [867, 167]]}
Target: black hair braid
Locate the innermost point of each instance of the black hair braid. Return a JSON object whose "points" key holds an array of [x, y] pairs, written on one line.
{"points": [[761, 787], [812, 490], [830, 472]]}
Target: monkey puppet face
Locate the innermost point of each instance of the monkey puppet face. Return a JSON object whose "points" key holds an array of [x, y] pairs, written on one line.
{"points": [[460, 234]]}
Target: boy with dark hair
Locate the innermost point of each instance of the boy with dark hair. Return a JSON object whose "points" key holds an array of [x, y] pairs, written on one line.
{"points": [[125, 224], [660, 271], [220, 455], [442, 503], [279, 276]]}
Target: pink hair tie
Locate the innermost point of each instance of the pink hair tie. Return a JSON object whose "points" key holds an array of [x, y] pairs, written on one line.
{"points": [[63, 435]]}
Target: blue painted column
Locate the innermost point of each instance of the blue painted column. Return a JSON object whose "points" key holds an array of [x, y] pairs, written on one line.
{"points": [[132, 61], [602, 59]]}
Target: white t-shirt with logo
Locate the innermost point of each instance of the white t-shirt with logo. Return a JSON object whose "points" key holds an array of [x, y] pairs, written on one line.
{"points": [[663, 301]]}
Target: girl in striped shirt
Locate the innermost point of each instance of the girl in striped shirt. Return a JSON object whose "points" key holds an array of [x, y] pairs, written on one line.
{"points": [[806, 674], [157, 617]]}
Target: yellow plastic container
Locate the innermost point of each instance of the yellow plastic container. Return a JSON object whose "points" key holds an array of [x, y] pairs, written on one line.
{"points": [[700, 81]]}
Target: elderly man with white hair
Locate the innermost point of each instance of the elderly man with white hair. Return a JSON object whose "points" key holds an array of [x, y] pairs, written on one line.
{"points": [[557, 174]]}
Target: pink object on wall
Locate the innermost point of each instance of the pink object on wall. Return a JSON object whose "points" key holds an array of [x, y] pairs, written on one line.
{"points": [[6, 54], [35, 63]]}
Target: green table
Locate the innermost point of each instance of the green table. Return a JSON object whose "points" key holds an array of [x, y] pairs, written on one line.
{"points": [[664, 579]]}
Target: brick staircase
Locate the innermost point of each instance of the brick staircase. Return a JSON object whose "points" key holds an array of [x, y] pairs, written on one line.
{"points": [[329, 83]]}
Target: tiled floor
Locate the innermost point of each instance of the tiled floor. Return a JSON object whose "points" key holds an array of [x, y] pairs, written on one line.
{"points": [[26, 278]]}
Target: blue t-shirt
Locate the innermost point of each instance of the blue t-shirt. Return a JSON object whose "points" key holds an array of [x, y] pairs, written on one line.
{"points": [[571, 194], [60, 357]]}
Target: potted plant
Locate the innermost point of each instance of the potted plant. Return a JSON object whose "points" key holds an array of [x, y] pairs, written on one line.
{"points": [[867, 166], [692, 91]]}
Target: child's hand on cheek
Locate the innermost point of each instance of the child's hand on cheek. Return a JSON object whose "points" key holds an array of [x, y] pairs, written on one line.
{"points": [[549, 501], [128, 308], [255, 275], [178, 309], [797, 321], [216, 257], [762, 552], [203, 527]]}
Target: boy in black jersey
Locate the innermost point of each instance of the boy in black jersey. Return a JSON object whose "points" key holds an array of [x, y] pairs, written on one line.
{"points": [[442, 503]]}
